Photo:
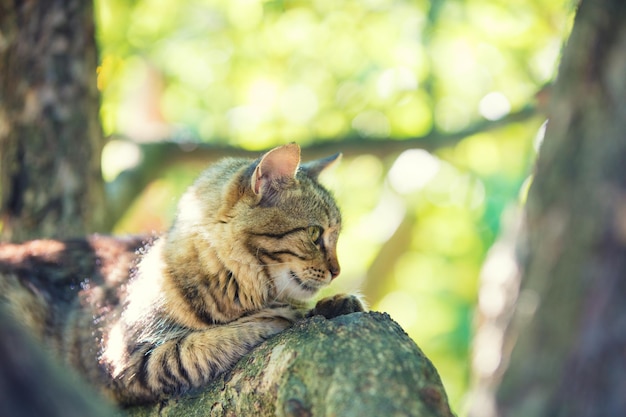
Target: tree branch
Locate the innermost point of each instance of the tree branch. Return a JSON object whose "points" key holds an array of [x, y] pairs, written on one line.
{"points": [[160, 155], [374, 285], [351, 366]]}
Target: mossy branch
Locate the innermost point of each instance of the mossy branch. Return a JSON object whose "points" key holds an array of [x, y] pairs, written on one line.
{"points": [[358, 365]]}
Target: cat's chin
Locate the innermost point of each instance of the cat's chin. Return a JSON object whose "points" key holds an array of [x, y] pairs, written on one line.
{"points": [[290, 286]]}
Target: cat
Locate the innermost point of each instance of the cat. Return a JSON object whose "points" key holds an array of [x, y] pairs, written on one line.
{"points": [[252, 242]]}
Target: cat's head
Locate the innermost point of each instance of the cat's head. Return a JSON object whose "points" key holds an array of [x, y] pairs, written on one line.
{"points": [[273, 215]]}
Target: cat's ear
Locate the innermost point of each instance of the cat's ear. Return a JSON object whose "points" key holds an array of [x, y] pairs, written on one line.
{"points": [[275, 167], [314, 168]]}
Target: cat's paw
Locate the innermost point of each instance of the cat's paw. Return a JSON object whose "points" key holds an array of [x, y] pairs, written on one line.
{"points": [[338, 305]]}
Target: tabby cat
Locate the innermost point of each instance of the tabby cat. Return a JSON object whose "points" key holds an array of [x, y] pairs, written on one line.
{"points": [[252, 241]]}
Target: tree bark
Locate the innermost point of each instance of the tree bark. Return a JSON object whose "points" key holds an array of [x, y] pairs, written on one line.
{"points": [[50, 134], [570, 321], [361, 364]]}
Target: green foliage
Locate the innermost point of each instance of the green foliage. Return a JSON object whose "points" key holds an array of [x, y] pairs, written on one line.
{"points": [[254, 74]]}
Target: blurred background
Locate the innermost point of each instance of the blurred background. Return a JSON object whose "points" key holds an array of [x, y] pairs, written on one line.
{"points": [[438, 104]]}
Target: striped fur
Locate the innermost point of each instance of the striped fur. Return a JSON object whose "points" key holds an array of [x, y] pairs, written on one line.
{"points": [[251, 243]]}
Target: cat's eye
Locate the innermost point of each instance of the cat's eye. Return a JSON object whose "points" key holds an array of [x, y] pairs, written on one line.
{"points": [[314, 232]]}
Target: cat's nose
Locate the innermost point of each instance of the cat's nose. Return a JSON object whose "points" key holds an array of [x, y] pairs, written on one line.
{"points": [[334, 271]]}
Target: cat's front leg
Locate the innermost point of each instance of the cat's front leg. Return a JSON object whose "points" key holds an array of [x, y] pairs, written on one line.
{"points": [[338, 305], [194, 359]]}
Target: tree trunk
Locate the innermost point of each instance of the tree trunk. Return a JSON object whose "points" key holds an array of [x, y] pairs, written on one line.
{"points": [[50, 134], [362, 364], [50, 181], [570, 322]]}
